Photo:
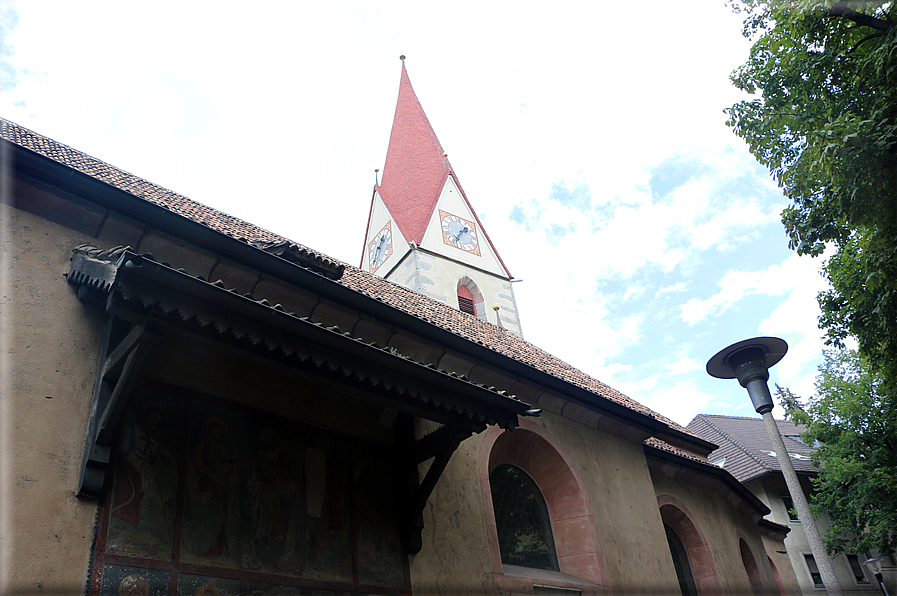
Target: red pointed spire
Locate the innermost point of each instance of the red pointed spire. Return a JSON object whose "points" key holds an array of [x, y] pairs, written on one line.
{"points": [[416, 170], [416, 166]]}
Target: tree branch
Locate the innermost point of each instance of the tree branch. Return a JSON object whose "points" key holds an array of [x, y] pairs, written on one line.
{"points": [[864, 40], [842, 9]]}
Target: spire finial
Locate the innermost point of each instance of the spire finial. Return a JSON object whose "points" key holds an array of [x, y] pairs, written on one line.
{"points": [[402, 58], [376, 177]]}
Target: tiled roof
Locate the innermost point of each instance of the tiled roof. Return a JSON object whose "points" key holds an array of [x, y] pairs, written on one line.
{"points": [[416, 169], [745, 445], [470, 328]]}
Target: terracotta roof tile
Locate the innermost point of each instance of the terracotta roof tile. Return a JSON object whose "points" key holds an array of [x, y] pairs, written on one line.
{"points": [[496, 338]]}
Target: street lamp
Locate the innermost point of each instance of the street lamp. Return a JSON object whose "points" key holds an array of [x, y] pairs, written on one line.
{"points": [[749, 362], [873, 564]]}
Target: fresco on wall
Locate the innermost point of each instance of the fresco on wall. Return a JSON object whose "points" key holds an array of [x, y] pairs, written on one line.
{"points": [[201, 585], [257, 589], [265, 497], [379, 543], [202, 486], [120, 580], [144, 499]]}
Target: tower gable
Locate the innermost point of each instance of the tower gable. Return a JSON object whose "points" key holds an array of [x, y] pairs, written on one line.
{"points": [[452, 217], [384, 243]]}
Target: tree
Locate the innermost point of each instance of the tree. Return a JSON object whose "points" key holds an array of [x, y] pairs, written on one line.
{"points": [[856, 426], [825, 123]]}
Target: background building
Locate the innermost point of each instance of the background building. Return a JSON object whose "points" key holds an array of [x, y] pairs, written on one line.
{"points": [[746, 451]]}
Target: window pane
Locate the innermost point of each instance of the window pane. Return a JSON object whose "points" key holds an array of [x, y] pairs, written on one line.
{"points": [[789, 507], [814, 571], [681, 563], [857, 569], [521, 518]]}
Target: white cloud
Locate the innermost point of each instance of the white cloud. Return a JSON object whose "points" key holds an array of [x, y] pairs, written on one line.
{"points": [[684, 366], [796, 276]]}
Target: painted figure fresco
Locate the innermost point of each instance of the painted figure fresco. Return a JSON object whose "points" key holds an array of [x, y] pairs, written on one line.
{"points": [[327, 516], [120, 580], [274, 506], [210, 529], [379, 542], [261, 495], [146, 480], [201, 585]]}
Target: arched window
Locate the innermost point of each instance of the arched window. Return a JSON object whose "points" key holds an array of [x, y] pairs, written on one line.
{"points": [[750, 566], [778, 578], [521, 519], [470, 299], [691, 543], [680, 562], [529, 461]]}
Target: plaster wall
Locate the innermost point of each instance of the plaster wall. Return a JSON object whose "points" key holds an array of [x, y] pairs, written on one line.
{"points": [[455, 556], [437, 277], [50, 347], [456, 552], [778, 557], [721, 526], [628, 522]]}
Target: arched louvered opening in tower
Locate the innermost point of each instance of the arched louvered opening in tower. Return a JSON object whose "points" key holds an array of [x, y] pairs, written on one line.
{"points": [[465, 301], [470, 299]]}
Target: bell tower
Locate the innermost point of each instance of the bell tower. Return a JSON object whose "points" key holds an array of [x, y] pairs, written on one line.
{"points": [[422, 231]]}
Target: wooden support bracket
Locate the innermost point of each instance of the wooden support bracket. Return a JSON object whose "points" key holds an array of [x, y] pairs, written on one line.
{"points": [[123, 353], [438, 446]]}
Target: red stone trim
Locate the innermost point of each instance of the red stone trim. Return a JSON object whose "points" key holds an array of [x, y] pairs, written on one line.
{"points": [[677, 516], [778, 577], [751, 567], [576, 539]]}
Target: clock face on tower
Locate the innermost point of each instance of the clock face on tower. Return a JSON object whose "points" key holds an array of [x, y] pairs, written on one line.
{"points": [[380, 247], [459, 232]]}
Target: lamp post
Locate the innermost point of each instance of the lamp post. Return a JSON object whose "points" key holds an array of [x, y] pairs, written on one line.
{"points": [[749, 362], [873, 564]]}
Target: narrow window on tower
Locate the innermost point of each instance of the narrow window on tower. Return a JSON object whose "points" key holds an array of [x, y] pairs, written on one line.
{"points": [[465, 300]]}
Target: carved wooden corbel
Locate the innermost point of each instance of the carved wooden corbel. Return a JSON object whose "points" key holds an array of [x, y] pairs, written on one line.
{"points": [[124, 350]]}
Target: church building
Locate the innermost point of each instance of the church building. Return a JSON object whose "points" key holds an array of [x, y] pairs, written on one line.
{"points": [[193, 405]]}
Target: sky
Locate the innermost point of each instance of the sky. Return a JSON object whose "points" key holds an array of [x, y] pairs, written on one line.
{"points": [[591, 142]]}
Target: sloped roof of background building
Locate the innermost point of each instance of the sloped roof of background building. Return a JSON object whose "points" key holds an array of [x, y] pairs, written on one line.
{"points": [[746, 447], [496, 338]]}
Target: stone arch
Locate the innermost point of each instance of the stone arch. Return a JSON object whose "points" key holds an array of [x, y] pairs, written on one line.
{"points": [[476, 296], [532, 449], [775, 573], [751, 568], [679, 518]]}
